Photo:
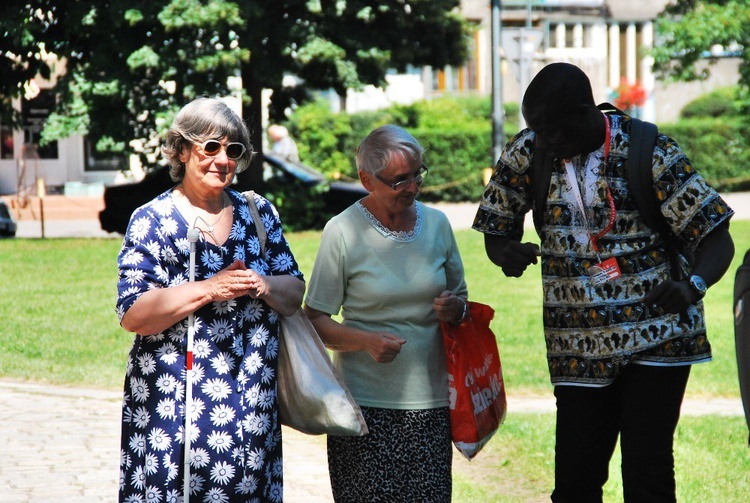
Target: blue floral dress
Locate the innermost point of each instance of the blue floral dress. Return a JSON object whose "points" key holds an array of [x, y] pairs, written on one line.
{"points": [[236, 434]]}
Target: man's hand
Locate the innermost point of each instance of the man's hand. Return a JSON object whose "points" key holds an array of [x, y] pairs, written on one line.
{"points": [[672, 296], [518, 256], [512, 256]]}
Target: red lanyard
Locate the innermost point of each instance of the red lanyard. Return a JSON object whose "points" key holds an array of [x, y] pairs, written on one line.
{"points": [[610, 224], [610, 199]]}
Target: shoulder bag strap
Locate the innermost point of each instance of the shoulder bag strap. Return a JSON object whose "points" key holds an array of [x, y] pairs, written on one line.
{"points": [[259, 228]]}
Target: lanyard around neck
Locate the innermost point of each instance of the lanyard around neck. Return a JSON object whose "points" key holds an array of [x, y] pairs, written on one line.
{"points": [[573, 182]]}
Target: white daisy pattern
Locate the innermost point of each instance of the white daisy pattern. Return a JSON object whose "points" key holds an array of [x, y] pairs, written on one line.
{"points": [[235, 351]]}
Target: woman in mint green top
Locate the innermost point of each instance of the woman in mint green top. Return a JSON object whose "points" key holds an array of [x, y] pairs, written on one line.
{"points": [[391, 267]]}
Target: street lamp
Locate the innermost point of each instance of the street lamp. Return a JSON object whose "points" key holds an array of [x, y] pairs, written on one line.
{"points": [[498, 115]]}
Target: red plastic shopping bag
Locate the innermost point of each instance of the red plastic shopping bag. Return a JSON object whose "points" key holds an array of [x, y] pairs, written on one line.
{"points": [[475, 380]]}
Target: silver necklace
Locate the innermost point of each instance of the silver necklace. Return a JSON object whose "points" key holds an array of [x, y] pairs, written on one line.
{"points": [[206, 227], [210, 227]]}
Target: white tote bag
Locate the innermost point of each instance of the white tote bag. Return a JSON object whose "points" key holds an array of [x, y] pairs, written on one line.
{"points": [[312, 398]]}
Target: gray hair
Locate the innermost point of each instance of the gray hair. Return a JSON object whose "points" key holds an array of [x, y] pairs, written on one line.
{"points": [[382, 145], [200, 120]]}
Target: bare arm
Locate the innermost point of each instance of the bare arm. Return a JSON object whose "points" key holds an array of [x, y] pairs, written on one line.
{"points": [[283, 293], [382, 346], [159, 309]]}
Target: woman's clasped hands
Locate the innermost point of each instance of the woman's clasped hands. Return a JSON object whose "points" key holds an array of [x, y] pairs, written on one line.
{"points": [[237, 280]]}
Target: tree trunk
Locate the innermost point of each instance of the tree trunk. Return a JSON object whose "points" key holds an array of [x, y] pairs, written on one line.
{"points": [[252, 113]]}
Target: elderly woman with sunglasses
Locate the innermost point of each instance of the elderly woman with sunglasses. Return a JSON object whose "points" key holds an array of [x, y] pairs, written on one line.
{"points": [[392, 267], [229, 311]]}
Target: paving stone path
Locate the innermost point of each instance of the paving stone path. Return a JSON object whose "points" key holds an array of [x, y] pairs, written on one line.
{"points": [[61, 445]]}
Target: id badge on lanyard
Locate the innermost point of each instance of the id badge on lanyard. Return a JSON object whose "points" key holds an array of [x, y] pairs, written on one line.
{"points": [[603, 270]]}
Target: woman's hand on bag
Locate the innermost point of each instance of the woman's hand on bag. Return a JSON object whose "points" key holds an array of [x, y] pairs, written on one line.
{"points": [[383, 346], [449, 307]]}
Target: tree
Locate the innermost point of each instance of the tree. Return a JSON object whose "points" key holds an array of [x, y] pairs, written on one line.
{"points": [[129, 64], [132, 63], [690, 29]]}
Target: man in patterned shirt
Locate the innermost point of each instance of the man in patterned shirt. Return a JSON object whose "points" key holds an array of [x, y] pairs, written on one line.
{"points": [[621, 329]]}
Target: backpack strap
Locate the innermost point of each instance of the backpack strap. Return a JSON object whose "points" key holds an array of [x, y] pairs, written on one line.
{"points": [[640, 174], [640, 168]]}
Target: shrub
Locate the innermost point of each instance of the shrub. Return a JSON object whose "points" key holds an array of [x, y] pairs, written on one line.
{"points": [[457, 135], [456, 158], [321, 137], [456, 132], [722, 102], [719, 148]]}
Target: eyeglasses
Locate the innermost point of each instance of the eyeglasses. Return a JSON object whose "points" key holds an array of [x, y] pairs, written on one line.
{"points": [[404, 184], [234, 150]]}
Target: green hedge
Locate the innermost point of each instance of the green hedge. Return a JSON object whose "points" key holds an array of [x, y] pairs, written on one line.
{"points": [[724, 102], [457, 135], [718, 148], [455, 131], [456, 158]]}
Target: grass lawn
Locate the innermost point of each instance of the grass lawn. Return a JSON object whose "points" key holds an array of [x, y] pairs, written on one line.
{"points": [[57, 325]]}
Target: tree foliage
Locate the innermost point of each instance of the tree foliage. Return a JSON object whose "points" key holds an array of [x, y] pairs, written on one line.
{"points": [[689, 31], [130, 64]]}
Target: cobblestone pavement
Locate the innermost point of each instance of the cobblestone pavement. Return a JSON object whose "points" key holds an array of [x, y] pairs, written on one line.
{"points": [[61, 444]]}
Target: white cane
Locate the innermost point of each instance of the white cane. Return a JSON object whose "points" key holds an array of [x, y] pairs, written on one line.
{"points": [[192, 238]]}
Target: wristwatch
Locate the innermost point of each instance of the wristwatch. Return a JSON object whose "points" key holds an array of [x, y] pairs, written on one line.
{"points": [[698, 284]]}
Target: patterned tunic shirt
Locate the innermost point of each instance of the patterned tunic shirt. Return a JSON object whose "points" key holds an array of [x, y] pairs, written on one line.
{"points": [[235, 452], [592, 331]]}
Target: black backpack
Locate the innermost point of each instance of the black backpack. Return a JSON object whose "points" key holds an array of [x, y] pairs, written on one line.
{"points": [[742, 332]]}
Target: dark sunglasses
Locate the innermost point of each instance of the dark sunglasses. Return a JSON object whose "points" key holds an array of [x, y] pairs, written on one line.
{"points": [[234, 150]]}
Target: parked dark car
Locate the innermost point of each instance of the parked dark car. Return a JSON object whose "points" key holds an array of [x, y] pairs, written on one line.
{"points": [[7, 222], [302, 195]]}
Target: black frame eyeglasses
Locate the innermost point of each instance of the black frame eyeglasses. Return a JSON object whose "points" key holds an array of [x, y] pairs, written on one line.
{"points": [[211, 148], [404, 184]]}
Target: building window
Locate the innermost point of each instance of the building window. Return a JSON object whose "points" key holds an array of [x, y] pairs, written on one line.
{"points": [[465, 78], [34, 113], [573, 35], [101, 161], [7, 149]]}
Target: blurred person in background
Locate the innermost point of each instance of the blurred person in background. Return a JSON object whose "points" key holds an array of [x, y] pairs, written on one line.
{"points": [[283, 145]]}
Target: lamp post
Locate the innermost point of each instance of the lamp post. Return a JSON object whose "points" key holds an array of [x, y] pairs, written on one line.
{"points": [[498, 115]]}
